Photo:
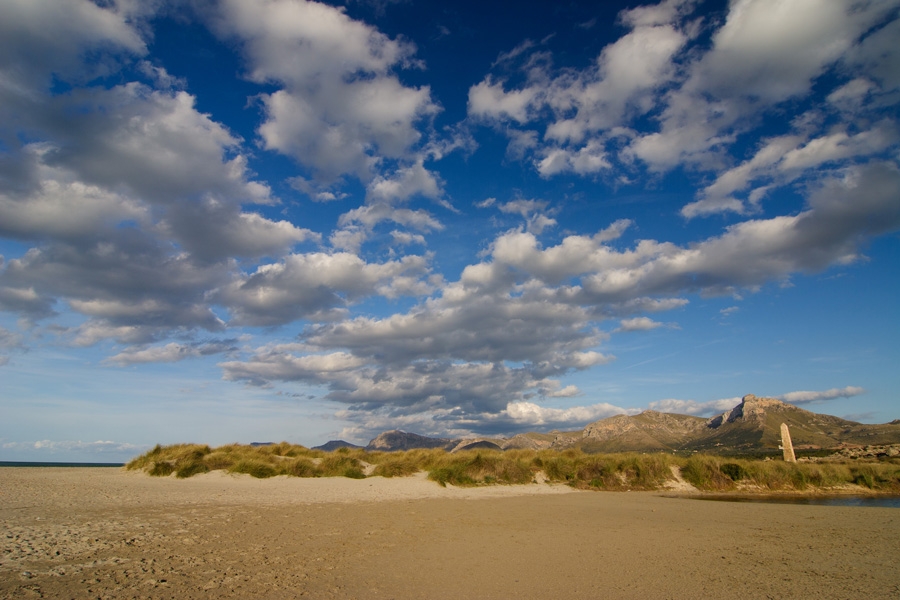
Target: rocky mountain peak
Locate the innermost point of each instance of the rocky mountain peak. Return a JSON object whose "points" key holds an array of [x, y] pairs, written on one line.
{"points": [[751, 408]]}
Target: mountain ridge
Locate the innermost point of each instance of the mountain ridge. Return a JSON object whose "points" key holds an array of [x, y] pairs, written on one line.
{"points": [[752, 426]]}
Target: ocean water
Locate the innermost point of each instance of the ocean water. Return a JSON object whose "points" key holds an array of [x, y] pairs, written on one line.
{"points": [[865, 501], [13, 463]]}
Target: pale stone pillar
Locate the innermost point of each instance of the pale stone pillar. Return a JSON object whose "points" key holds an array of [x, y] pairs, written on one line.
{"points": [[786, 446]]}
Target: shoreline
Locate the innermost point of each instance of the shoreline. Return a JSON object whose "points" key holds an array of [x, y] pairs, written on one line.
{"points": [[109, 533]]}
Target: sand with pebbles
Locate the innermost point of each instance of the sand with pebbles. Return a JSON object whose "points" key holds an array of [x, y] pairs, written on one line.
{"points": [[107, 533]]}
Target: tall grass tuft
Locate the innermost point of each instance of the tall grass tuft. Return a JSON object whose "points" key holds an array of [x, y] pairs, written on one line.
{"points": [[302, 467], [704, 473], [341, 464], [476, 467], [255, 468]]}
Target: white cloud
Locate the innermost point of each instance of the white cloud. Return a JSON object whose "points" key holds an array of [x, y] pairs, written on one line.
{"points": [[810, 397], [638, 324], [172, 352], [713, 407], [403, 238], [586, 160], [784, 159], [772, 50], [508, 330], [693, 407], [488, 100], [358, 223], [586, 107], [115, 279], [46, 212], [51, 38], [765, 53], [314, 285], [404, 184], [585, 121], [533, 415], [341, 109]]}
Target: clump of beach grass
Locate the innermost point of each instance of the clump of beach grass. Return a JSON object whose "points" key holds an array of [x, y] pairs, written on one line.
{"points": [[474, 467], [405, 463], [718, 474], [341, 464]]}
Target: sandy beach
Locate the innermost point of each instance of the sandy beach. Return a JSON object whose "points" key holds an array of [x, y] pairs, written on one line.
{"points": [[107, 533]]}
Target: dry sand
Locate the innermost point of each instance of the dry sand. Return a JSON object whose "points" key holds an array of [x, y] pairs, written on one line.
{"points": [[107, 533]]}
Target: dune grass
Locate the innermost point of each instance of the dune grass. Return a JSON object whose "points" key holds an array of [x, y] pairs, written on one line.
{"points": [[624, 471], [718, 474]]}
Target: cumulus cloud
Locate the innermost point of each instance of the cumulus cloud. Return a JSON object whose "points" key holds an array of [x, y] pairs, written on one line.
{"points": [[316, 285], [713, 407], [638, 324], [126, 279], [172, 352], [783, 160], [840, 212], [588, 121], [341, 109], [811, 397], [586, 107], [529, 314], [765, 53], [52, 37], [534, 415], [144, 222], [693, 407]]}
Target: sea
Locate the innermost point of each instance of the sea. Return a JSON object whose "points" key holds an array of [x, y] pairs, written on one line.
{"points": [[13, 463], [863, 501]]}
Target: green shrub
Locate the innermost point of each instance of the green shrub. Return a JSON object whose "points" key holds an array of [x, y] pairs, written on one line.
{"points": [[733, 471]]}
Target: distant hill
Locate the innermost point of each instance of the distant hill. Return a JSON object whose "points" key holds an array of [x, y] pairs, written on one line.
{"points": [[401, 440], [333, 445], [648, 431], [752, 426]]}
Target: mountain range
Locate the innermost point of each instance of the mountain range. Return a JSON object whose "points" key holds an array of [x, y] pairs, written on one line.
{"points": [[751, 427]]}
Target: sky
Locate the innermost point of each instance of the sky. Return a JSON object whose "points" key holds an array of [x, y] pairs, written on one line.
{"points": [[262, 220]]}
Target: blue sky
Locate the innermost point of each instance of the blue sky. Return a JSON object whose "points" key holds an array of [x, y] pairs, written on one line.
{"points": [[248, 220]]}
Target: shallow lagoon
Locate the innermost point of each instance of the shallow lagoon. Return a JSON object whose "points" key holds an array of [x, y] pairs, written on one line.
{"points": [[865, 501]]}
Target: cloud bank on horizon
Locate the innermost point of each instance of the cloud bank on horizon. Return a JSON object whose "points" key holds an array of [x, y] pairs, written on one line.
{"points": [[408, 216]]}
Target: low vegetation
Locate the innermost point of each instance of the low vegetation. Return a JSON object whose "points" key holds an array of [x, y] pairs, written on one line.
{"points": [[625, 471]]}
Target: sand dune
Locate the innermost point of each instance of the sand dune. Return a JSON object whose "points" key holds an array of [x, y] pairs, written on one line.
{"points": [[106, 533]]}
